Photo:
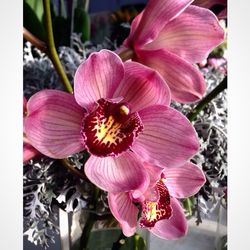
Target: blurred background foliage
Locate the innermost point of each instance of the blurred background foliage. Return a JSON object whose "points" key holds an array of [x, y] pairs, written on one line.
{"points": [[92, 20]]}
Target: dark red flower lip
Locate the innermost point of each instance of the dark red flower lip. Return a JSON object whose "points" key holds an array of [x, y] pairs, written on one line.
{"points": [[110, 129], [153, 211]]}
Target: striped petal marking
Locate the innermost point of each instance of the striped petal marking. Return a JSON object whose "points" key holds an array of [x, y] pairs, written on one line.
{"points": [[110, 129]]}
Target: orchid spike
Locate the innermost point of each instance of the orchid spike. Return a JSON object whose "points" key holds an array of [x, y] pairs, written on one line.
{"points": [[120, 114], [171, 35], [161, 213]]}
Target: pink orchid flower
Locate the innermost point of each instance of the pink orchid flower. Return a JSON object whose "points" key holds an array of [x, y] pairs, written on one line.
{"points": [[171, 35], [120, 114], [28, 150], [219, 64], [162, 213]]}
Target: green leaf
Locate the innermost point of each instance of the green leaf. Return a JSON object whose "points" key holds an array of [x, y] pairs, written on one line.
{"points": [[32, 23], [82, 23], [104, 239], [37, 7], [188, 204], [61, 30]]}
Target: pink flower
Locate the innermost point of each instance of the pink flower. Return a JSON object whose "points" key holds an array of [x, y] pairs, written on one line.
{"points": [[219, 64], [162, 213], [171, 35], [28, 150], [119, 113]]}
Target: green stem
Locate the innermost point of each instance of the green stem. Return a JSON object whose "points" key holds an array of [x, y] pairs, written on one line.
{"points": [[73, 170], [126, 54], [188, 205], [52, 49], [34, 40], [90, 221], [203, 103]]}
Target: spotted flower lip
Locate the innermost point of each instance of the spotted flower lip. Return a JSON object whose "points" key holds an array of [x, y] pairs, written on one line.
{"points": [[119, 113], [171, 35], [162, 213]]}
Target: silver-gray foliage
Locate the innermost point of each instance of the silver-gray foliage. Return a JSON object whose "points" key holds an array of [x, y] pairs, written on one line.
{"points": [[211, 126]]}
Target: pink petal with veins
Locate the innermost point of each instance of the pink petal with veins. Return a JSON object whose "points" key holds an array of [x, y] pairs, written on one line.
{"points": [[97, 77], [124, 211], [53, 123], [142, 87], [168, 138], [117, 174]]}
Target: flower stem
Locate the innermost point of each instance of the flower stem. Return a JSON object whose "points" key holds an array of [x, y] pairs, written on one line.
{"points": [[52, 49], [202, 104], [73, 170], [34, 40], [126, 54], [188, 204]]}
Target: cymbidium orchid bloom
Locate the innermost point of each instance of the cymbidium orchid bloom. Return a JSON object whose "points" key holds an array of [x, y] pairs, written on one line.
{"points": [[171, 35], [120, 114], [161, 213]]}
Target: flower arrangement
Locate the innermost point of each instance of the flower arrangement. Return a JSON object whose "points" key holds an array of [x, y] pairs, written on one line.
{"points": [[131, 135]]}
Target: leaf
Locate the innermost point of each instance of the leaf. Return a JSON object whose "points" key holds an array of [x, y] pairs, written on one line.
{"points": [[37, 7], [104, 238], [82, 23], [61, 30], [100, 239], [32, 23]]}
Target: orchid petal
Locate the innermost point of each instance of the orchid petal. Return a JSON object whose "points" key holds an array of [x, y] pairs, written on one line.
{"points": [[97, 77], [154, 173], [53, 123], [142, 87], [173, 228], [192, 35], [168, 138], [124, 211], [117, 174], [184, 181], [29, 152], [184, 80], [134, 26], [155, 16]]}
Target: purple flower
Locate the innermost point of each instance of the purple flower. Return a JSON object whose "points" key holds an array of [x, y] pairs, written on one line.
{"points": [[162, 213], [171, 35], [120, 114]]}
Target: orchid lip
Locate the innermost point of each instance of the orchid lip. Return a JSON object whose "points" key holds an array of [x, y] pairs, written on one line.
{"points": [[111, 128], [155, 210]]}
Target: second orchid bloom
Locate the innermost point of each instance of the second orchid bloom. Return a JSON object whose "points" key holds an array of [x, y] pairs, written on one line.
{"points": [[170, 36]]}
